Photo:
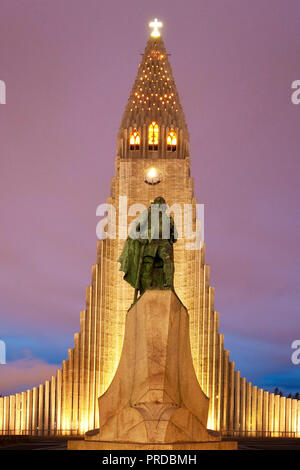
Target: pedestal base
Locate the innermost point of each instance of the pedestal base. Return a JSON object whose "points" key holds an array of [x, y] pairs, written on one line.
{"points": [[105, 445]]}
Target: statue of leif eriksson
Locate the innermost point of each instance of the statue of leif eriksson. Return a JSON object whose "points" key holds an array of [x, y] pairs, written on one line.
{"points": [[147, 258]]}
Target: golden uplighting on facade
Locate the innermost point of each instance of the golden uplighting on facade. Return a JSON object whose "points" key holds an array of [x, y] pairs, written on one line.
{"points": [[152, 176]]}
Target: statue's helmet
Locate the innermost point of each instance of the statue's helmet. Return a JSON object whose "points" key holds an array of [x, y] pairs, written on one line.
{"points": [[159, 200]]}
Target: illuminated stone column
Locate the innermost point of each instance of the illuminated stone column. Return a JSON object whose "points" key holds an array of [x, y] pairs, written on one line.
{"points": [[47, 407], [197, 308], [24, 412], [75, 420], [58, 401], [69, 394], [254, 410], [298, 420], [237, 400], [12, 414], [34, 420], [1, 414], [64, 397], [29, 411], [231, 396], [271, 413], [220, 382], [225, 425], [259, 411], [93, 340], [294, 423], [41, 411], [288, 416], [276, 415], [248, 407], [213, 370], [209, 350], [204, 322], [18, 413], [265, 424], [52, 405], [6, 415], [282, 415], [99, 321], [83, 373], [243, 405]]}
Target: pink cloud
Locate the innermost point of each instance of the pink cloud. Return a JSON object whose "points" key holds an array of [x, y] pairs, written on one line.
{"points": [[24, 373]]}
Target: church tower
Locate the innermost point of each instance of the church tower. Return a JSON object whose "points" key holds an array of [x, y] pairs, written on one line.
{"points": [[152, 159]]}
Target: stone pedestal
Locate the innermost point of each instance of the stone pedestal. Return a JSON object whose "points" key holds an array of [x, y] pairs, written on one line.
{"points": [[155, 400]]}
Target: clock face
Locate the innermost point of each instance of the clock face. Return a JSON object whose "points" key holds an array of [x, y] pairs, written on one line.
{"points": [[152, 176]]}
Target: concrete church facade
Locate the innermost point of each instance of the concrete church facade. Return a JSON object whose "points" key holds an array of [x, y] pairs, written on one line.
{"points": [[153, 140]]}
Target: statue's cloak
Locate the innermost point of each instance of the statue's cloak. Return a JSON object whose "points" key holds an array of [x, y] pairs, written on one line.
{"points": [[129, 260]]}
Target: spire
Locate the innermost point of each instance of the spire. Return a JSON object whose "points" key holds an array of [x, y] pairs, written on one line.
{"points": [[154, 98]]}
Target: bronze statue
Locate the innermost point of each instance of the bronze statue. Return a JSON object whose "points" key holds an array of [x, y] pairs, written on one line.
{"points": [[147, 257]]}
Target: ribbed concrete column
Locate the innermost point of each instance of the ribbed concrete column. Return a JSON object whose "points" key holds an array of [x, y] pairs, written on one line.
{"points": [[83, 373], [1, 414], [34, 420], [288, 416], [75, 384], [276, 415], [46, 407], [231, 396], [259, 411], [64, 398], [70, 387], [88, 356], [213, 366], [294, 415], [207, 339], [220, 382], [58, 401], [225, 424], [204, 331], [298, 419], [24, 412], [101, 281], [29, 411], [266, 413], [12, 414], [248, 407], [41, 410], [6, 415], [282, 415], [243, 405], [237, 400], [18, 413], [271, 413], [93, 340], [254, 410], [52, 405]]}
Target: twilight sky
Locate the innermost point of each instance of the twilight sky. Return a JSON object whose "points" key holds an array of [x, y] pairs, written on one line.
{"points": [[69, 66]]}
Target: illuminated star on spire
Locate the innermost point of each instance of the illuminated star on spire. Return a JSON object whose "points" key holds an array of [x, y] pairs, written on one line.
{"points": [[155, 25]]}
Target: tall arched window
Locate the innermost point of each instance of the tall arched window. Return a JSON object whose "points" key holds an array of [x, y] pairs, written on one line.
{"points": [[153, 133], [135, 140], [171, 141]]}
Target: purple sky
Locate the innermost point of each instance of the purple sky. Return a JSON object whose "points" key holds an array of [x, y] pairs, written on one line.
{"points": [[69, 67]]}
